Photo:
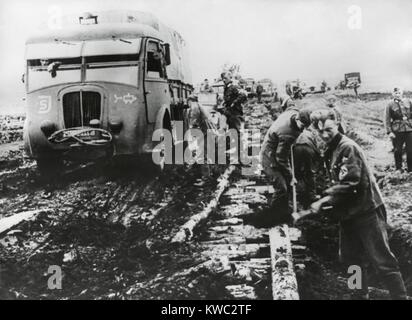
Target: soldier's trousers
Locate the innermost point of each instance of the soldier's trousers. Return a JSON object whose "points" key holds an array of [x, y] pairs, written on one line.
{"points": [[305, 158], [234, 121], [401, 139], [364, 242], [279, 206]]}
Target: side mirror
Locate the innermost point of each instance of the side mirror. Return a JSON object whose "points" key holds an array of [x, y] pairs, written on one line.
{"points": [[167, 53]]}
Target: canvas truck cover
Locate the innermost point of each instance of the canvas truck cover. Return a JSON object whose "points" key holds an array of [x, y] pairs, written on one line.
{"points": [[124, 24]]}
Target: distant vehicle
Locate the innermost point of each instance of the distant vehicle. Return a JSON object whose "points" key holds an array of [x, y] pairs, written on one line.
{"points": [[250, 87], [209, 104], [101, 87], [352, 80], [269, 89]]}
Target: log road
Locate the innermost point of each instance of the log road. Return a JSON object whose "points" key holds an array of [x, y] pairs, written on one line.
{"points": [[127, 232]]}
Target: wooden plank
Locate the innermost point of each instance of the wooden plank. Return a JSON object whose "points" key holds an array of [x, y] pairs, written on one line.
{"points": [[284, 283]]}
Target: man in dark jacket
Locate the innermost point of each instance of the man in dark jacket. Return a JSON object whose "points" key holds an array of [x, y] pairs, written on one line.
{"points": [[357, 203], [308, 165], [259, 91], [233, 102], [275, 160], [398, 124]]}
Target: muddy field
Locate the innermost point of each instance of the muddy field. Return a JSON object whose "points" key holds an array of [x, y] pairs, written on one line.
{"points": [[109, 227]]}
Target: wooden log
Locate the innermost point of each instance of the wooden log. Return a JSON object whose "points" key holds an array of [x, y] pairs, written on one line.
{"points": [[261, 189], [284, 283], [225, 222], [249, 233], [242, 291], [186, 231], [234, 251], [249, 198], [225, 240], [12, 221], [234, 210]]}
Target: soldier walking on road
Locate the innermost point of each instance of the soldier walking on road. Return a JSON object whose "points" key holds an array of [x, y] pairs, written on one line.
{"points": [[233, 102], [357, 204], [398, 125], [259, 91]]}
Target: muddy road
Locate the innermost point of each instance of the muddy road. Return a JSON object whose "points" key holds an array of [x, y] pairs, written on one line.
{"points": [[110, 228]]}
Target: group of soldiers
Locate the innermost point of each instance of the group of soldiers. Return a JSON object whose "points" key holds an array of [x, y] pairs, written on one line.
{"points": [[303, 143]]}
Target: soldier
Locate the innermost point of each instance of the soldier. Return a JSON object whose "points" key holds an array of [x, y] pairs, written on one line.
{"points": [[398, 125], [259, 91], [288, 89], [275, 157], [233, 102], [357, 203], [308, 164], [331, 103], [286, 102]]}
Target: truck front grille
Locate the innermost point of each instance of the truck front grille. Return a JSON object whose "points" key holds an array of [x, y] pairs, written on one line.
{"points": [[81, 107]]}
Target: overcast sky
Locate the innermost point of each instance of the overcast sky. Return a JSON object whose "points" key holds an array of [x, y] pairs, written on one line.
{"points": [[278, 39]]}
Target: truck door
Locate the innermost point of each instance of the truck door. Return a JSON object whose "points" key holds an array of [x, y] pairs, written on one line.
{"points": [[155, 84]]}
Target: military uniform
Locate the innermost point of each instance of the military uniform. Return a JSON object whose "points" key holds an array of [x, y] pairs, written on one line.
{"points": [[358, 205], [339, 119], [259, 91], [398, 120], [233, 102], [275, 154], [308, 163]]}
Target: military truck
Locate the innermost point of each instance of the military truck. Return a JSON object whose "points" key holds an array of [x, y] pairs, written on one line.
{"points": [[101, 85]]}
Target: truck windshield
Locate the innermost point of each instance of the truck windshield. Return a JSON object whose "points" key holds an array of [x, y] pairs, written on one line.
{"points": [[47, 72], [113, 68], [59, 62]]}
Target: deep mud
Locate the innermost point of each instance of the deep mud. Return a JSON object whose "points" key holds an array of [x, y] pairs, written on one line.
{"points": [[108, 231]]}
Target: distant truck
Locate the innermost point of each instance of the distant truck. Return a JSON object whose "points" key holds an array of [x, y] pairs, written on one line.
{"points": [[352, 80], [101, 85], [250, 87], [267, 85]]}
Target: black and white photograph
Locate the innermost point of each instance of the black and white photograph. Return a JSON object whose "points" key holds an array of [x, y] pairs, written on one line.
{"points": [[223, 151]]}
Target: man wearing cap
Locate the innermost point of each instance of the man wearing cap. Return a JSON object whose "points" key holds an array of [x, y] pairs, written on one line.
{"points": [[357, 204], [398, 125], [331, 103], [275, 160]]}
